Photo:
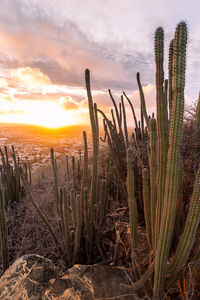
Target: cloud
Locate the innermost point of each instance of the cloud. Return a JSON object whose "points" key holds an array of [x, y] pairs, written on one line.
{"points": [[46, 48], [68, 103], [31, 77]]}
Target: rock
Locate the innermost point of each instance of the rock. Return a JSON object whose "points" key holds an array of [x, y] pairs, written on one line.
{"points": [[33, 277], [105, 281]]}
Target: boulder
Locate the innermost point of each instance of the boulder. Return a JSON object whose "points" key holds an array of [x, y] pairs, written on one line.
{"points": [[33, 277]]}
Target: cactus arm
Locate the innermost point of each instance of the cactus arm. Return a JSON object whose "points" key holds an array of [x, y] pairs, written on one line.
{"points": [[117, 113], [132, 109], [113, 118]]}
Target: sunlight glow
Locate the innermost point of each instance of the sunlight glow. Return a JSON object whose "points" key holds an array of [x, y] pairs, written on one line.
{"points": [[44, 113]]}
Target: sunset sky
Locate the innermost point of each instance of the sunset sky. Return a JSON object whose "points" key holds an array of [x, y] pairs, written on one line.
{"points": [[45, 46]]}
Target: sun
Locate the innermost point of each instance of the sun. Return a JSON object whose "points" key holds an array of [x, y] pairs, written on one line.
{"points": [[48, 114], [51, 115]]}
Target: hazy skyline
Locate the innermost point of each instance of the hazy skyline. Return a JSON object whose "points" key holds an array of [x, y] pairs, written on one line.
{"points": [[45, 46]]}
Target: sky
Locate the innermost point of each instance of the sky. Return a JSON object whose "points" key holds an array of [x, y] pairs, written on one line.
{"points": [[46, 45]]}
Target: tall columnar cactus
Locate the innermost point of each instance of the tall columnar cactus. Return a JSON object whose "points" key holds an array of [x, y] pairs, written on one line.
{"points": [[55, 176], [197, 126], [118, 115], [162, 124], [188, 237], [147, 208], [67, 165], [131, 199], [125, 123], [133, 112], [66, 223], [77, 239], [153, 174], [197, 114], [95, 139], [142, 100], [173, 160], [74, 171], [3, 234], [170, 70]]}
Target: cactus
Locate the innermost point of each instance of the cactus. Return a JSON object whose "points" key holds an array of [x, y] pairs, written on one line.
{"points": [[125, 123], [142, 100], [197, 115], [162, 125], [147, 208], [77, 239], [29, 173], [173, 161], [55, 177], [37, 209], [66, 225], [170, 70], [3, 234], [74, 171], [188, 237], [102, 202], [118, 115], [153, 174], [74, 207], [95, 137], [113, 118], [133, 111], [67, 165], [131, 199], [10, 182]]}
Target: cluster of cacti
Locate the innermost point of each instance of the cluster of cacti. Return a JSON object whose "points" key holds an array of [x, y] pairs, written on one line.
{"points": [[162, 175], [9, 179], [11, 191], [119, 140]]}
